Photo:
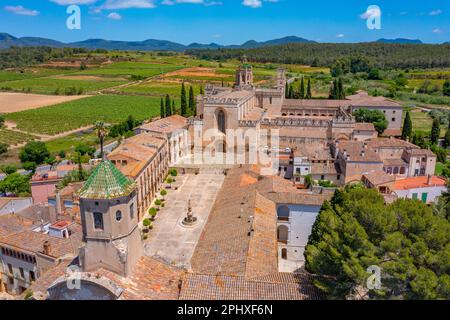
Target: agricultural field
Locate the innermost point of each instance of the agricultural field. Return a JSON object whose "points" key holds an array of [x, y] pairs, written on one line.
{"points": [[13, 102], [50, 85], [71, 115], [422, 121], [159, 88], [70, 142], [13, 138], [141, 69], [30, 73]]}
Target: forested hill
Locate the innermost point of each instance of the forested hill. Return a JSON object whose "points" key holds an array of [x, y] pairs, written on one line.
{"points": [[383, 55]]}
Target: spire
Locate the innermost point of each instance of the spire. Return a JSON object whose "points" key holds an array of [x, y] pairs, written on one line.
{"points": [[106, 182]]}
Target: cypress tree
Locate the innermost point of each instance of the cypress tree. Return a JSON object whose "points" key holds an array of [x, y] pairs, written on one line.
{"points": [[341, 90], [302, 89], [168, 106], [174, 109], [435, 131], [308, 90], [183, 101], [191, 101], [291, 92], [201, 90], [407, 127], [447, 138], [162, 111], [286, 93]]}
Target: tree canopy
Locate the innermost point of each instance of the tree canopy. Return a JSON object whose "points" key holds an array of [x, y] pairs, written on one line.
{"points": [[357, 230], [372, 116], [34, 151]]}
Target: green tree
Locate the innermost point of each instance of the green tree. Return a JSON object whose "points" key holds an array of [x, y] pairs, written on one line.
{"points": [[2, 120], [168, 106], [302, 89], [184, 111], [446, 88], [202, 92], [191, 101], [435, 132], [174, 109], [372, 116], [447, 138], [3, 148], [340, 92], [34, 151], [102, 130], [286, 91], [358, 230], [16, 184], [131, 122], [162, 111], [308, 90], [407, 127]]}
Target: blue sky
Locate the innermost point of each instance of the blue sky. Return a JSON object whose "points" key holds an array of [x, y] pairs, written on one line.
{"points": [[227, 21]]}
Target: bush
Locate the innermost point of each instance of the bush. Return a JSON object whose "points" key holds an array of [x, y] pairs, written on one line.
{"points": [[34, 151], [158, 202], [163, 192], [169, 180], [152, 212], [146, 223], [3, 148], [173, 172]]}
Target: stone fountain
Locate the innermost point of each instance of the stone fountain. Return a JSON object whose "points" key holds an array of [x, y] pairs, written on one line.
{"points": [[189, 220]]}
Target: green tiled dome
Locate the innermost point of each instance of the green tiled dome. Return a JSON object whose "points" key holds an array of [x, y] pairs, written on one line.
{"points": [[106, 182]]}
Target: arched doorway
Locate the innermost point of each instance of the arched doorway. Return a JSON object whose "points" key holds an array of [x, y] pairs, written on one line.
{"points": [[284, 254], [283, 232], [221, 121]]}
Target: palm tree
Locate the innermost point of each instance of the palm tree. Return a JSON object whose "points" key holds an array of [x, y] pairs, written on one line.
{"points": [[102, 129]]}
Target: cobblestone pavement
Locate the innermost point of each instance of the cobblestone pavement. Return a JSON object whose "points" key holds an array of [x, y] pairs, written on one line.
{"points": [[170, 240]]}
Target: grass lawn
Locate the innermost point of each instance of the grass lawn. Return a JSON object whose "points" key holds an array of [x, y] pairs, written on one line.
{"points": [[422, 122], [75, 114]]}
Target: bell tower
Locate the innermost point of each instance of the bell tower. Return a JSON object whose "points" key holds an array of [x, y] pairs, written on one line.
{"points": [[244, 75], [111, 235]]}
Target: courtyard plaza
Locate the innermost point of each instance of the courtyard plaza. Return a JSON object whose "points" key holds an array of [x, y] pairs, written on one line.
{"points": [[170, 240]]}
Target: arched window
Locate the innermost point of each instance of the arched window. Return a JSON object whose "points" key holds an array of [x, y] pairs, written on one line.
{"points": [[221, 121], [283, 232], [402, 170], [283, 213], [396, 170]]}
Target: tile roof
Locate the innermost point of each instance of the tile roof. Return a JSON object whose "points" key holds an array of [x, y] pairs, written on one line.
{"points": [[390, 143], [33, 242], [166, 125], [106, 182], [418, 182], [364, 126], [379, 178], [278, 286], [358, 151], [362, 99], [314, 103], [12, 223], [421, 152]]}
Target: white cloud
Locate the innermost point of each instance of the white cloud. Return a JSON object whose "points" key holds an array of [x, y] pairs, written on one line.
{"points": [[20, 10], [114, 16], [340, 35], [371, 12], [69, 2], [252, 3], [437, 30], [435, 12], [126, 4], [203, 2]]}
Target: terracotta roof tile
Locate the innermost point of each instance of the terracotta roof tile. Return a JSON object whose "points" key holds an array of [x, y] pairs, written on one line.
{"points": [[417, 182]]}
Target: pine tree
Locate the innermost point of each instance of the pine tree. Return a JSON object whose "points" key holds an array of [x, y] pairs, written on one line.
{"points": [[435, 131], [162, 111], [407, 127], [183, 101], [302, 89], [191, 101], [308, 90], [168, 106]]}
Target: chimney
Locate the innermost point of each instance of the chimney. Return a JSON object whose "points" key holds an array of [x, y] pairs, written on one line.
{"points": [[363, 153], [58, 206], [47, 248], [365, 145], [430, 180]]}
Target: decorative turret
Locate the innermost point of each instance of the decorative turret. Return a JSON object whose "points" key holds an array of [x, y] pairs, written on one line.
{"points": [[110, 224], [244, 75]]}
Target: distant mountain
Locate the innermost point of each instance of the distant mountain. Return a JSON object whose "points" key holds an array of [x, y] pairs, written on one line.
{"points": [[7, 40], [400, 41]]}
